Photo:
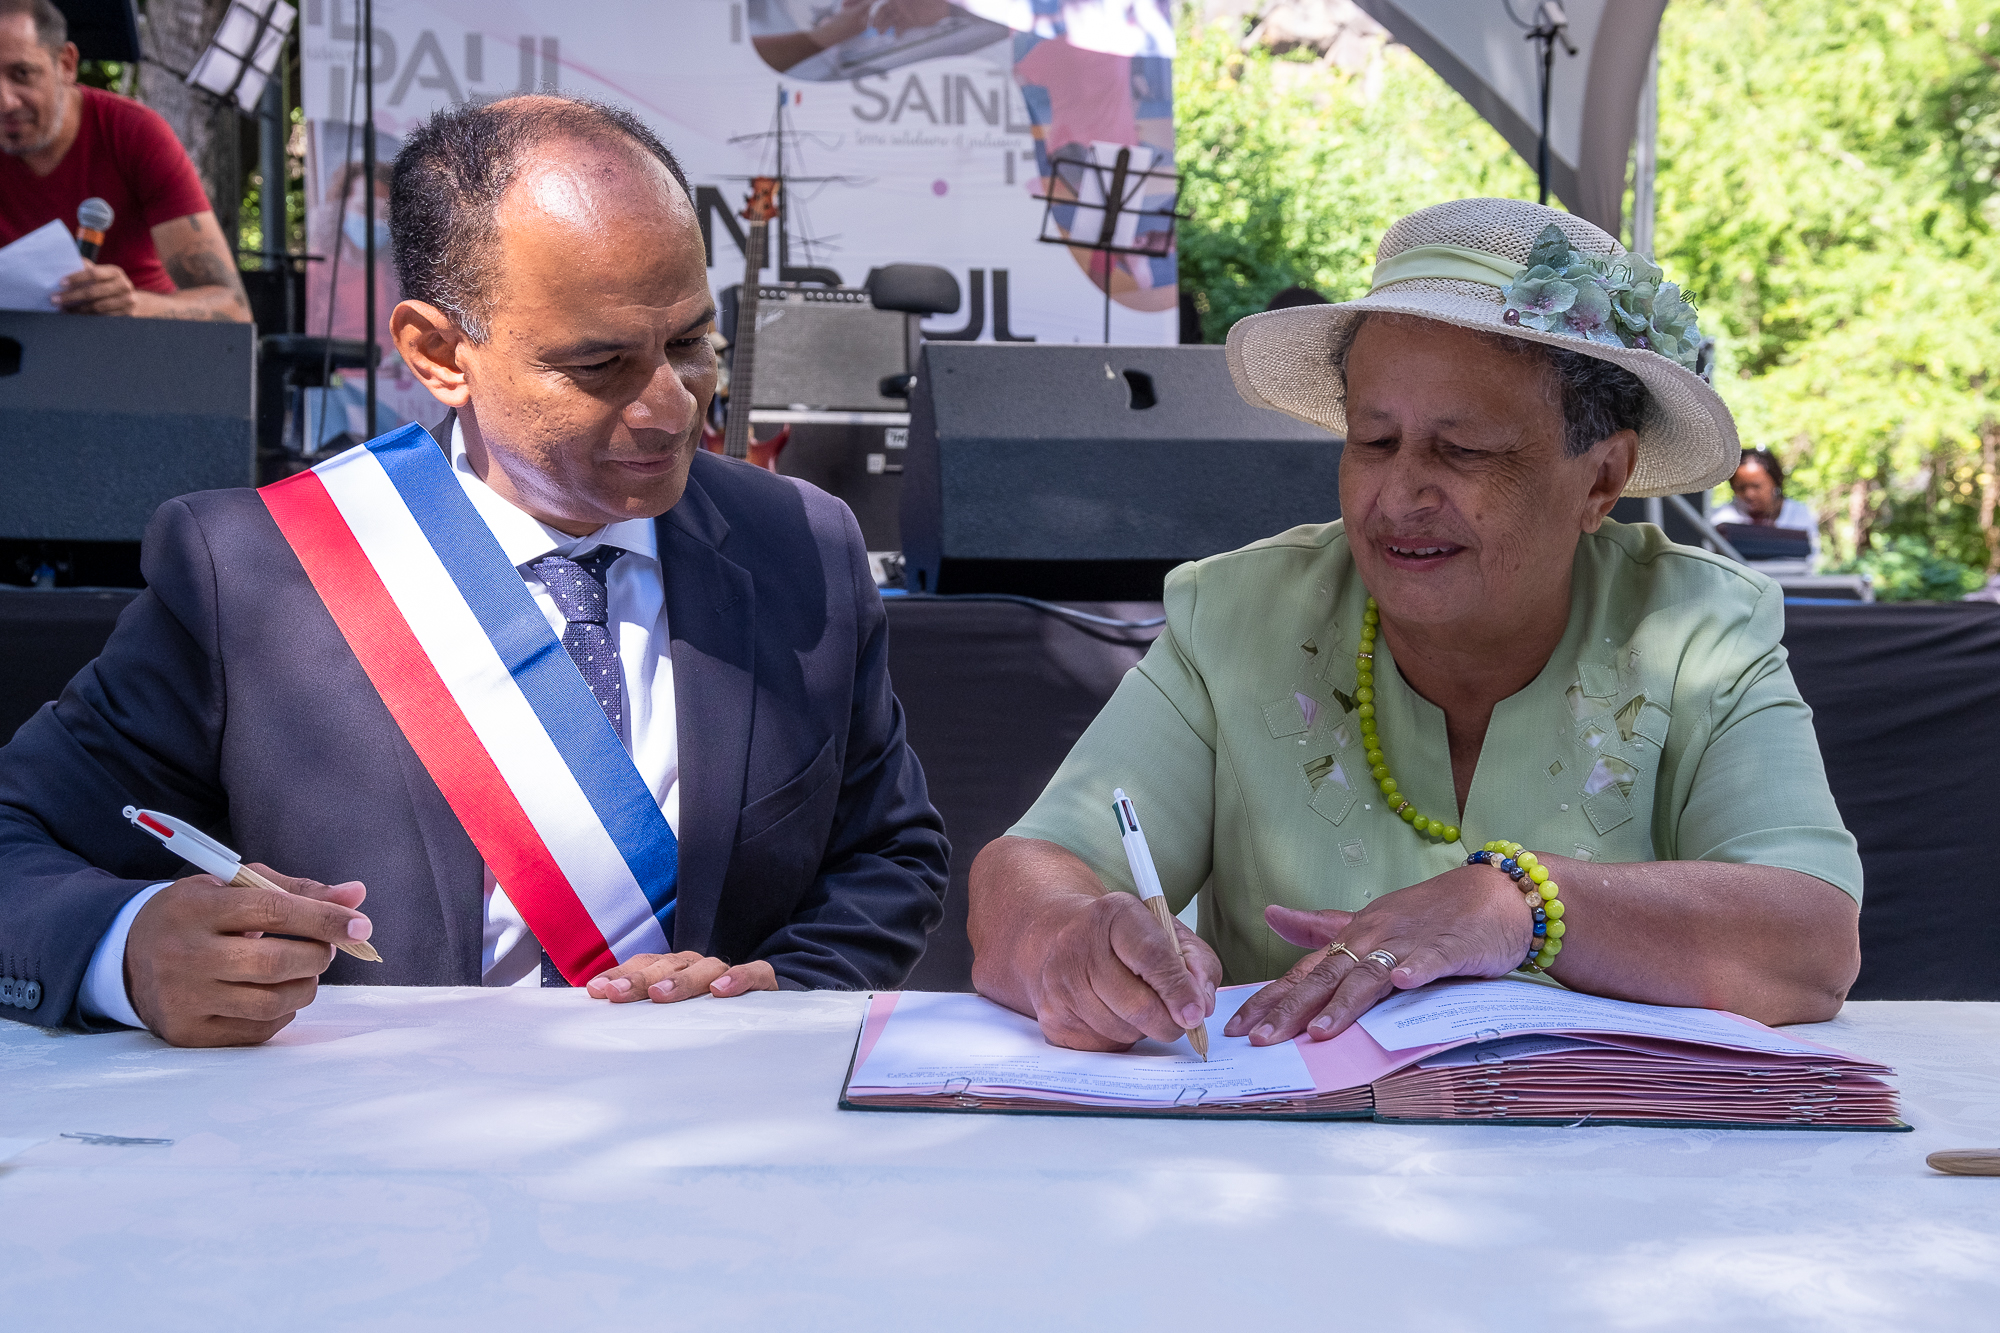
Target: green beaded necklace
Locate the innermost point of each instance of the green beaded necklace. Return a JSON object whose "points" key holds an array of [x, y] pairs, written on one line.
{"points": [[1378, 765], [1511, 858]]}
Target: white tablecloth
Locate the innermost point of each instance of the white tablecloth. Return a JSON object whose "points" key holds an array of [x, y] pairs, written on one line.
{"points": [[529, 1159]]}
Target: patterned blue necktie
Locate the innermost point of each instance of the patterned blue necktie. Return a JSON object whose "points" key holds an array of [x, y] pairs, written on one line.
{"points": [[577, 589]]}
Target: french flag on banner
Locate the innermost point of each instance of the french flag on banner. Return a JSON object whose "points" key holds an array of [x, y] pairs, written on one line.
{"points": [[487, 696]]}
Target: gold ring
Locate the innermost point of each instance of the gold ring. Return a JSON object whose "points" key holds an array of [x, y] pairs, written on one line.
{"points": [[1338, 947]]}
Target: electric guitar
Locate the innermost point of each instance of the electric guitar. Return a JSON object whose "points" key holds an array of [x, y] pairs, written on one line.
{"points": [[735, 438]]}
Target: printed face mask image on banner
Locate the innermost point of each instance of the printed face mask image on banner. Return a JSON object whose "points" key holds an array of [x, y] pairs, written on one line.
{"points": [[912, 132], [336, 286]]}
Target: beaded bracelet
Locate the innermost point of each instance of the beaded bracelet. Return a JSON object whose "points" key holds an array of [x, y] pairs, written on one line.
{"points": [[1518, 864]]}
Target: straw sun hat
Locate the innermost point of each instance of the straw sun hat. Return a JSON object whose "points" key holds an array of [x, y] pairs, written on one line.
{"points": [[1520, 270]]}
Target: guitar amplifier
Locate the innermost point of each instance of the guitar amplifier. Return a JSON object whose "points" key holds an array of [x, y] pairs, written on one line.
{"points": [[827, 348], [1085, 473]]}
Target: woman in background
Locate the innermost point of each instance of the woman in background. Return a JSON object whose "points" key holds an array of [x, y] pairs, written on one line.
{"points": [[341, 408], [1760, 500]]}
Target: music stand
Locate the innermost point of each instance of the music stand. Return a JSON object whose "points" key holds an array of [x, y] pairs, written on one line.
{"points": [[1104, 193]]}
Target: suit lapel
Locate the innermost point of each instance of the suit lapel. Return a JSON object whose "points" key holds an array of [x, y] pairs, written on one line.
{"points": [[711, 618]]}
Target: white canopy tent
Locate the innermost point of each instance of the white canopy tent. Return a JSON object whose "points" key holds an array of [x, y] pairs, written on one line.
{"points": [[1484, 51]]}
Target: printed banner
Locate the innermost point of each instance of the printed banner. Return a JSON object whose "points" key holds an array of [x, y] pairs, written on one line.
{"points": [[913, 131]]}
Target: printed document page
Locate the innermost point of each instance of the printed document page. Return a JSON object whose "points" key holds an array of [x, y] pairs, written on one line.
{"points": [[936, 1040], [32, 267], [1483, 1010]]}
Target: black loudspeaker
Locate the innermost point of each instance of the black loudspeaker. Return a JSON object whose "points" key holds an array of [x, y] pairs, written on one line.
{"points": [[861, 464], [106, 419], [1085, 473], [103, 29]]}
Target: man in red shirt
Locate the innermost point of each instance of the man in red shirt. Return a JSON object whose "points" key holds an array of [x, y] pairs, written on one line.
{"points": [[60, 144]]}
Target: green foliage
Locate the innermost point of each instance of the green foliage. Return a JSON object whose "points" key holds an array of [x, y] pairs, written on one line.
{"points": [[250, 220], [1826, 182], [1829, 189], [1294, 169], [109, 75], [1905, 569]]}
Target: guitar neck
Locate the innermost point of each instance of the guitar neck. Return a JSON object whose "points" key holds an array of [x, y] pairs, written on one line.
{"points": [[743, 356]]}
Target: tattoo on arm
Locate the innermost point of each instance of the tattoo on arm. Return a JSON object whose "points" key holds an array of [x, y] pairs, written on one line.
{"points": [[199, 268], [203, 271]]}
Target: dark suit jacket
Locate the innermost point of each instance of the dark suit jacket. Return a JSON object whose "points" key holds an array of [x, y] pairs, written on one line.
{"points": [[227, 696]]}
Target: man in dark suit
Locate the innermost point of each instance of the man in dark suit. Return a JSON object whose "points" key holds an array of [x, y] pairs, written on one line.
{"points": [[560, 306]]}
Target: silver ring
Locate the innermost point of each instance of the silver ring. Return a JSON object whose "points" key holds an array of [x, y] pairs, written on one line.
{"points": [[1382, 956]]}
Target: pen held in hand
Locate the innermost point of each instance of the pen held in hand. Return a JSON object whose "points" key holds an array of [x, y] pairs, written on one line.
{"points": [[211, 857], [1147, 876]]}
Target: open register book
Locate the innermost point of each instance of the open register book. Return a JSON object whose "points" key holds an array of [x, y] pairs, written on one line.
{"points": [[1507, 1052]]}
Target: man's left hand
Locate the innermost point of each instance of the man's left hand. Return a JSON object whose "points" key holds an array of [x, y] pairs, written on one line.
{"points": [[665, 978], [97, 289], [1468, 922]]}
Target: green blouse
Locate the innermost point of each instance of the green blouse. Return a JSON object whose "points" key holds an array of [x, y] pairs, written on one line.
{"points": [[1665, 727]]}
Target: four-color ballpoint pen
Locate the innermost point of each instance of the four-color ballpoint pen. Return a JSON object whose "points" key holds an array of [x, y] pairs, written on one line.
{"points": [[1147, 877], [206, 854]]}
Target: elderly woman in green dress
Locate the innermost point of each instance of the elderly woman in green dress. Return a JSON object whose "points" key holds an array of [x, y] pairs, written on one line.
{"points": [[1476, 725]]}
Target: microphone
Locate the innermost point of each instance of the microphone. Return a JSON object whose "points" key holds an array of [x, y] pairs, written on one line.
{"points": [[93, 219]]}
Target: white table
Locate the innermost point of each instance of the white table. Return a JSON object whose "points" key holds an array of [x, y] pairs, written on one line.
{"points": [[528, 1159]]}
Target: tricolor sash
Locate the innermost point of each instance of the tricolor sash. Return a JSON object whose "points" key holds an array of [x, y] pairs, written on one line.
{"points": [[487, 697]]}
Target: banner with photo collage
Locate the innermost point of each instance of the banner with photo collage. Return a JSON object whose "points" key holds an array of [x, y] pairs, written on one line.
{"points": [[914, 131]]}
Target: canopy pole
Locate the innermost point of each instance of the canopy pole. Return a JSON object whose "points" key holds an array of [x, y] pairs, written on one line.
{"points": [[1646, 157], [1542, 147]]}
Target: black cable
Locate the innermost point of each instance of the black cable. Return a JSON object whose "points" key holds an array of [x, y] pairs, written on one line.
{"points": [[1052, 608]]}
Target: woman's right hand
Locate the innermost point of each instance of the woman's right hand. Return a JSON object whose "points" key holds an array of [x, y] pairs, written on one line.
{"points": [[1091, 966], [1109, 976]]}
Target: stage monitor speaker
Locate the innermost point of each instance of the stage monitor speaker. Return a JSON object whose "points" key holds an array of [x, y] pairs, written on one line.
{"points": [[1086, 473], [107, 419]]}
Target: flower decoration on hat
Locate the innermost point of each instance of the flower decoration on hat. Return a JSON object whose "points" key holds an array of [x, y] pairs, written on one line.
{"points": [[1613, 300]]}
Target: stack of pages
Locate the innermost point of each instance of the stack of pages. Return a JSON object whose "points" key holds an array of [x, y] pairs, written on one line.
{"points": [[1509, 1052]]}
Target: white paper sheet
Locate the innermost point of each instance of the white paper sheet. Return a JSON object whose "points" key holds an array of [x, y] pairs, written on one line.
{"points": [[936, 1040], [1458, 1011], [1506, 1049], [32, 267]]}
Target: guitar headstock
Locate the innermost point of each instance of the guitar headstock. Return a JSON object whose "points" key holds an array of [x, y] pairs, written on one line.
{"points": [[761, 204]]}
